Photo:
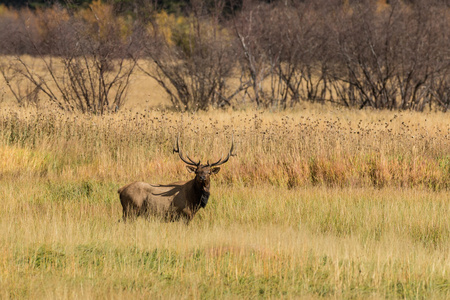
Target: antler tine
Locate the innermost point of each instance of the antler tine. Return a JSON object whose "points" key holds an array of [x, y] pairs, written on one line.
{"points": [[193, 161], [216, 163], [230, 153], [177, 150]]}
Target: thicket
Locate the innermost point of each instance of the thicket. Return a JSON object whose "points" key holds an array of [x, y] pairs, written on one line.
{"points": [[384, 55]]}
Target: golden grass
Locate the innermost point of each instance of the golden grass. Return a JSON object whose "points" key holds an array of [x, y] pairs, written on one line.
{"points": [[319, 202], [307, 147], [250, 242]]}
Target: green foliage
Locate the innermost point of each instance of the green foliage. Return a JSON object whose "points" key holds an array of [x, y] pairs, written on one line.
{"points": [[70, 191], [43, 257]]}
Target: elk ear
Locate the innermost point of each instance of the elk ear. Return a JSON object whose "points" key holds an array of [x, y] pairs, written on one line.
{"points": [[190, 169], [215, 170]]}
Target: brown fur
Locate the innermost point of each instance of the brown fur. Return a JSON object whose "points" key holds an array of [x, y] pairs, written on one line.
{"points": [[178, 200]]}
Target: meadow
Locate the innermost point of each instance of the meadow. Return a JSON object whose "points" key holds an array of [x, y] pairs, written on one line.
{"points": [[320, 202]]}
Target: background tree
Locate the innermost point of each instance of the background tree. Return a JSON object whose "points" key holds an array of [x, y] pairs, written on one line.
{"points": [[93, 50], [191, 57], [272, 54]]}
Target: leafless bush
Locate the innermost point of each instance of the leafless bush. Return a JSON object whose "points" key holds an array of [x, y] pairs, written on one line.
{"points": [[13, 29], [440, 89], [253, 35], [284, 46], [84, 59], [23, 90], [424, 56], [366, 53], [387, 57], [365, 50], [381, 54], [304, 62], [191, 59]]}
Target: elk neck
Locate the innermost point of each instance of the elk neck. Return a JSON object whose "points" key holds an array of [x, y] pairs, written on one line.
{"points": [[201, 193]]}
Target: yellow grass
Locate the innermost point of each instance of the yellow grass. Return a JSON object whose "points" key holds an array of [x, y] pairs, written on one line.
{"points": [[319, 202], [250, 242], [333, 147]]}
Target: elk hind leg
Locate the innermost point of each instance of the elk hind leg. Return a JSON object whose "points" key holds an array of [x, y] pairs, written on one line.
{"points": [[129, 213]]}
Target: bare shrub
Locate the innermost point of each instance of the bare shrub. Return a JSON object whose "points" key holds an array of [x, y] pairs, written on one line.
{"points": [[304, 61], [423, 55], [252, 32], [191, 58], [365, 50], [383, 55], [390, 57], [440, 89], [84, 57], [24, 92], [13, 30], [283, 44], [380, 54]]}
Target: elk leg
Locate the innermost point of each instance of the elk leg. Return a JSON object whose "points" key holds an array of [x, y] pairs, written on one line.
{"points": [[187, 217], [129, 212], [125, 216]]}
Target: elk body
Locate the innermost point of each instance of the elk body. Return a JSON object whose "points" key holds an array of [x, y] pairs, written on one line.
{"points": [[174, 201]]}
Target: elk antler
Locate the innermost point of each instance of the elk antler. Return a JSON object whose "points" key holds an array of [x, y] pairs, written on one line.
{"points": [[191, 162], [230, 153]]}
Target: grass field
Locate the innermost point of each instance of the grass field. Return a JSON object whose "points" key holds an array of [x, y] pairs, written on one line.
{"points": [[319, 202], [63, 241]]}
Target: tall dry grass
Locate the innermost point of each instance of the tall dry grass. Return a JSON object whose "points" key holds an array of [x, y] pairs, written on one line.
{"points": [[63, 241], [319, 202], [309, 147]]}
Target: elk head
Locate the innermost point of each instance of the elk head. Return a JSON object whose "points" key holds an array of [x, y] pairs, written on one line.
{"points": [[202, 171]]}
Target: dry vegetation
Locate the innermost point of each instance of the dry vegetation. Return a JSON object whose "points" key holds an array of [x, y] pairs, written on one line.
{"points": [[330, 146], [379, 54], [319, 202]]}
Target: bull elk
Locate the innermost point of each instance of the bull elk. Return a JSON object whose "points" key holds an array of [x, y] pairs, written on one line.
{"points": [[174, 201]]}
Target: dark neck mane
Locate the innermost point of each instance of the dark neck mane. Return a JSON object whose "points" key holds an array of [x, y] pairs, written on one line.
{"points": [[200, 196]]}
